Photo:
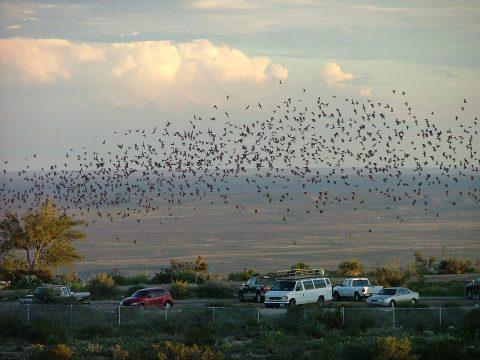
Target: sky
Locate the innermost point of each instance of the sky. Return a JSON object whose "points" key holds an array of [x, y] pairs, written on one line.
{"points": [[74, 72]]}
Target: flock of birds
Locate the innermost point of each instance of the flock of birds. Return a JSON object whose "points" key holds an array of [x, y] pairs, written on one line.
{"points": [[324, 151]]}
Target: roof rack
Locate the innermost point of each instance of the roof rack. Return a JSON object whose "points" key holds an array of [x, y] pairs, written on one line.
{"points": [[299, 273]]}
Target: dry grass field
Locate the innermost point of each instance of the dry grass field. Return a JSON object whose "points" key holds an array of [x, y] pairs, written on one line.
{"points": [[231, 239]]}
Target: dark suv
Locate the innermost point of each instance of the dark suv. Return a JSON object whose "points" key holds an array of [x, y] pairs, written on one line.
{"points": [[149, 297], [255, 288]]}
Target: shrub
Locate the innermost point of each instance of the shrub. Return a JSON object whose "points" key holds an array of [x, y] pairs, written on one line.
{"points": [[215, 289], [131, 280], [452, 265], [350, 267], [180, 289], [168, 276], [178, 351], [392, 348], [391, 275], [102, 286], [26, 282], [119, 353], [244, 275], [60, 352], [300, 265], [71, 279], [95, 331], [471, 324]]}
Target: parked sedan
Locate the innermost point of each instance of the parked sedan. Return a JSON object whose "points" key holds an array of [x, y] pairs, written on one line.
{"points": [[393, 296], [149, 297]]}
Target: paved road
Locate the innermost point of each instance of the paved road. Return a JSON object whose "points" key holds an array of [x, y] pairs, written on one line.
{"points": [[429, 300]]}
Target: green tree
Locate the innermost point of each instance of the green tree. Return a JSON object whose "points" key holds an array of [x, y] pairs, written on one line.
{"points": [[44, 236]]}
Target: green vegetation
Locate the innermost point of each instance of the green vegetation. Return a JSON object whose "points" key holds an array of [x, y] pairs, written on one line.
{"points": [[301, 332], [244, 275], [44, 236], [350, 267]]}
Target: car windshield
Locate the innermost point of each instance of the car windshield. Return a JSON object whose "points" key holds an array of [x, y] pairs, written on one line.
{"points": [[283, 286], [388, 292], [140, 293]]}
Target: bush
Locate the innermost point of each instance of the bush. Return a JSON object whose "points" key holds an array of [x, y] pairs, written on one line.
{"points": [[350, 268], [392, 348], [180, 289], [300, 265], [244, 275], [131, 280], [102, 286], [60, 352], [215, 289], [391, 275], [71, 279], [168, 276], [26, 282], [453, 265]]}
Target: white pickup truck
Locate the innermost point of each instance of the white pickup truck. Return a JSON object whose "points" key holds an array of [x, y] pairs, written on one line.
{"points": [[48, 293], [356, 288]]}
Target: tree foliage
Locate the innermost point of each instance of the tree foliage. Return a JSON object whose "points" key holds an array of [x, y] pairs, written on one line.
{"points": [[350, 267], [43, 235]]}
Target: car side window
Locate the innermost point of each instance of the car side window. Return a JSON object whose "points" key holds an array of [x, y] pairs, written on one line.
{"points": [[298, 287], [319, 283], [308, 284]]}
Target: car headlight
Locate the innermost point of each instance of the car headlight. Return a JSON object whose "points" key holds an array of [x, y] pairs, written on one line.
{"points": [[284, 297]]}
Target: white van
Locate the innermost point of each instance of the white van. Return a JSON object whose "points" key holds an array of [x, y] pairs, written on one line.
{"points": [[291, 292]]}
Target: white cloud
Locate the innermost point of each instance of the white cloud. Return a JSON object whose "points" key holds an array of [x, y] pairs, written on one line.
{"points": [[366, 92], [333, 74], [222, 4], [13, 27], [135, 73], [43, 60]]}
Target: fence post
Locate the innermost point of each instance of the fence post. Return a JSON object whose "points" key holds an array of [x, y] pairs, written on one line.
{"points": [[119, 321], [440, 315], [28, 312], [393, 316], [342, 311], [71, 314], [258, 317], [166, 315], [213, 314]]}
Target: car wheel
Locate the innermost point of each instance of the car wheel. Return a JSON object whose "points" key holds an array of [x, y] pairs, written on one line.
{"points": [[321, 301], [258, 298], [168, 305], [356, 297], [141, 306], [336, 296], [392, 303], [292, 303], [413, 301], [240, 296]]}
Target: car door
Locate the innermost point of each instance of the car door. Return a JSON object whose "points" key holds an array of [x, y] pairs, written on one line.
{"points": [[344, 288], [309, 291], [299, 293], [249, 290], [404, 295]]}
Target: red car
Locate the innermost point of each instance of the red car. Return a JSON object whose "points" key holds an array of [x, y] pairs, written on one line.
{"points": [[149, 297]]}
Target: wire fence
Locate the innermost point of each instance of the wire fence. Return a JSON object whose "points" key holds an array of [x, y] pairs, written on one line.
{"points": [[408, 318]]}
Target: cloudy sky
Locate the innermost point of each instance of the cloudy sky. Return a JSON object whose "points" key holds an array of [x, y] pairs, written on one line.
{"points": [[73, 72]]}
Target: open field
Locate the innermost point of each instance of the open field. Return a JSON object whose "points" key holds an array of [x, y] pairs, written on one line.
{"points": [[231, 239]]}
